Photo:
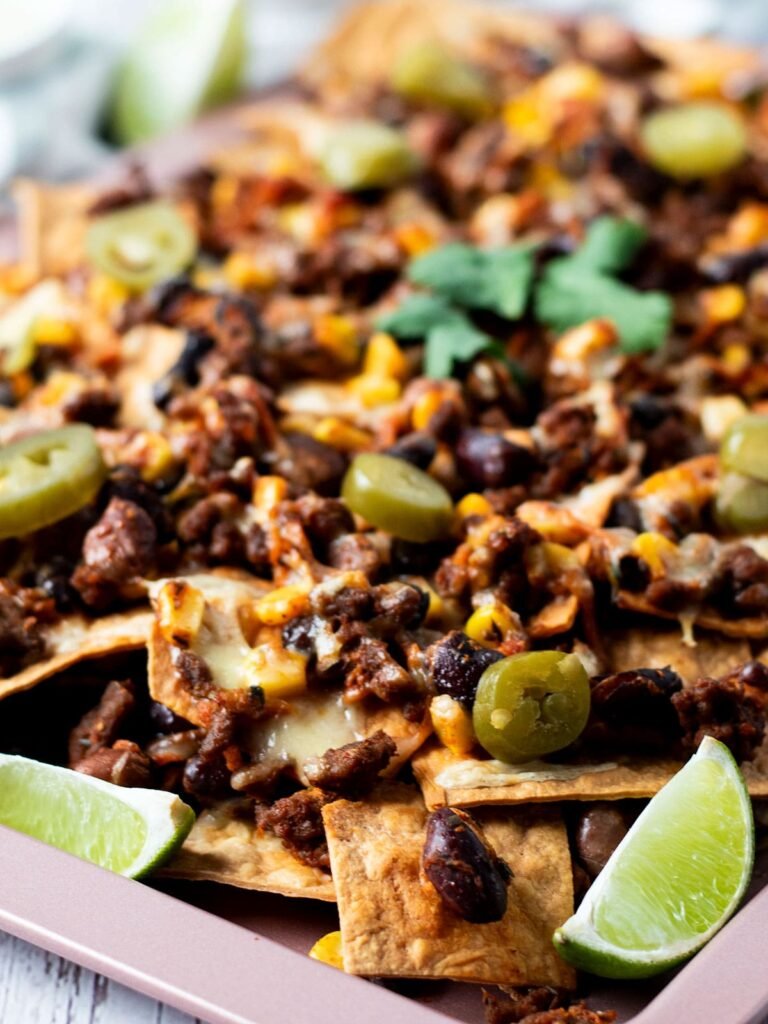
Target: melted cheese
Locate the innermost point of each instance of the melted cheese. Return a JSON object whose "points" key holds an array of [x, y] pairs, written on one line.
{"points": [[473, 774], [314, 724]]}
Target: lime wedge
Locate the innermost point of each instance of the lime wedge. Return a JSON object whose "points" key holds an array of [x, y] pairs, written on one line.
{"points": [[129, 831], [189, 55], [674, 880]]}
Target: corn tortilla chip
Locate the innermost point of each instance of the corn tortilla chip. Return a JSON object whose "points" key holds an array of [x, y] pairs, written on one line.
{"points": [[754, 628], [393, 923], [76, 638], [52, 224], [466, 781], [224, 848], [711, 655]]}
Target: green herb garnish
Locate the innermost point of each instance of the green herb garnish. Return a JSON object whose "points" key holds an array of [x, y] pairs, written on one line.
{"points": [[498, 280], [580, 287]]}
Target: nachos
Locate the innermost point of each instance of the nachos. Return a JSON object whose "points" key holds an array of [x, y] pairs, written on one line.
{"points": [[419, 439]]}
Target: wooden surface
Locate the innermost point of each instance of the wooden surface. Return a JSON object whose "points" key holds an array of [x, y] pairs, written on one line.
{"points": [[40, 988]]}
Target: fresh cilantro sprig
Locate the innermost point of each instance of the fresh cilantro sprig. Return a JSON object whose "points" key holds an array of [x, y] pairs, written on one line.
{"points": [[569, 291], [581, 287], [461, 277]]}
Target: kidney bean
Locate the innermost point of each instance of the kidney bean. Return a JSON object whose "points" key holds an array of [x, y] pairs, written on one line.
{"points": [[456, 664], [468, 875], [490, 460], [599, 831]]}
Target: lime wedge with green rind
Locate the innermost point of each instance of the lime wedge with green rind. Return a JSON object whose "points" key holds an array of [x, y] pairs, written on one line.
{"points": [[674, 880], [128, 831], [189, 56]]}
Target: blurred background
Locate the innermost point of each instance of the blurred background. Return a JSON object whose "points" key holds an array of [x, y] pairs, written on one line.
{"points": [[79, 77]]}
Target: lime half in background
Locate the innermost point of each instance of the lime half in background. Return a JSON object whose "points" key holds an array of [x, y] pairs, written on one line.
{"points": [[129, 831], [674, 880], [189, 55]]}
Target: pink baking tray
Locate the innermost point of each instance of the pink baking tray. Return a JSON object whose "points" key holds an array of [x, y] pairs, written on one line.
{"points": [[234, 957]]}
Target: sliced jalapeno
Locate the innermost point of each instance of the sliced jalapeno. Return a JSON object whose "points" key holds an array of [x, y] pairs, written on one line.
{"points": [[431, 74], [694, 140], [48, 476], [395, 496], [141, 245], [366, 154], [745, 447], [742, 504], [531, 704]]}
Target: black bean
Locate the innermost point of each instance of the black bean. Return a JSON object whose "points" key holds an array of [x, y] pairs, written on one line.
{"points": [[490, 460], [599, 831], [754, 673], [165, 720], [457, 664], [417, 448], [468, 875], [185, 371]]}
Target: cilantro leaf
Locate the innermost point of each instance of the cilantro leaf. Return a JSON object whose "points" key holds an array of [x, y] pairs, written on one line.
{"points": [[415, 315], [450, 343], [498, 280], [570, 293], [610, 244]]}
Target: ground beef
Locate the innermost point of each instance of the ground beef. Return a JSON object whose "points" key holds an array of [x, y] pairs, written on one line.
{"points": [[571, 450], [398, 606], [23, 610], [309, 464], [740, 584], [662, 427], [634, 711], [297, 821], [720, 709], [539, 1006], [120, 547], [123, 764], [371, 671], [355, 552], [353, 769], [101, 726], [456, 664], [207, 773]]}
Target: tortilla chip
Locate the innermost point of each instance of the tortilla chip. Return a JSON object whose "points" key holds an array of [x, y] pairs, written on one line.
{"points": [[482, 784], [76, 638], [372, 35], [52, 223], [712, 655], [393, 923], [755, 628], [408, 736], [225, 594], [226, 849]]}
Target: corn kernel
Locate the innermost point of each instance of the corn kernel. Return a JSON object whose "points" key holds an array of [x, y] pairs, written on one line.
{"points": [[473, 505], [22, 383], [452, 724], [338, 434], [59, 386], [384, 358], [280, 674], [48, 330], [572, 81], [425, 408], [338, 334], [490, 624], [244, 271], [415, 239], [268, 492], [748, 226], [724, 303], [224, 192], [373, 391], [655, 550], [180, 608], [328, 950], [736, 358], [282, 604], [526, 120], [105, 294]]}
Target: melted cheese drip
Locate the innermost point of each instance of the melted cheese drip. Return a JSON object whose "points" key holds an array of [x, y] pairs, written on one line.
{"points": [[483, 774], [314, 724]]}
